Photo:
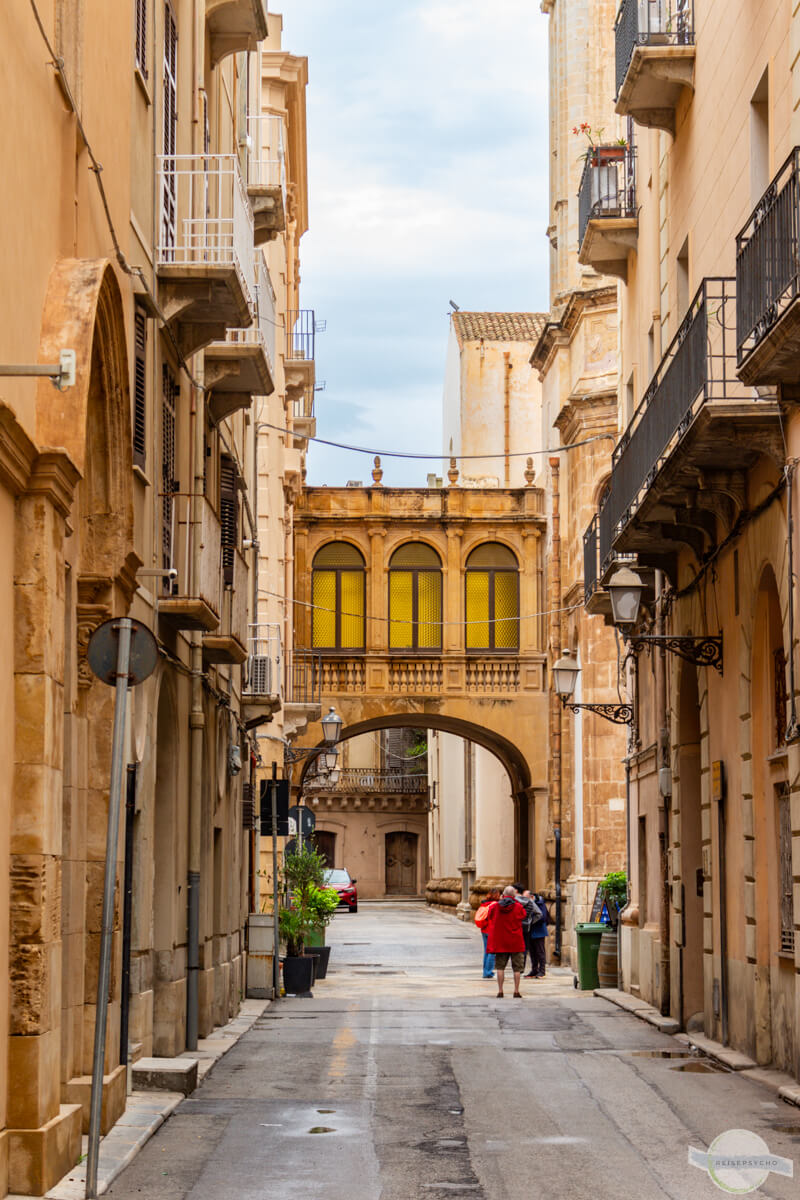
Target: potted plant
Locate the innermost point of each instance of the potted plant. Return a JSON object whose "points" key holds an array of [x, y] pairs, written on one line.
{"points": [[614, 889], [303, 871], [323, 902]]}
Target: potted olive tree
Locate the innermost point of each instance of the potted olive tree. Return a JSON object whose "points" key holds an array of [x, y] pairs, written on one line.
{"points": [[303, 873]]}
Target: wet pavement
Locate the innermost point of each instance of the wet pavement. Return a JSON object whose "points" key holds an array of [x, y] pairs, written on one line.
{"points": [[404, 1078]]}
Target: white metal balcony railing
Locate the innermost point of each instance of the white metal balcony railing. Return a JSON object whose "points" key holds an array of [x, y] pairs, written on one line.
{"points": [[206, 218], [266, 160], [262, 331], [265, 661]]}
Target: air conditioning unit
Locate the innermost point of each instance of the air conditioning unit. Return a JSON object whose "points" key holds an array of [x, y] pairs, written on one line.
{"points": [[260, 675]]}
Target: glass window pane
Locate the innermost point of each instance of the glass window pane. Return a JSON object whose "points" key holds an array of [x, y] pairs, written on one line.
{"points": [[492, 554], [352, 621], [477, 610], [323, 618], [338, 554], [429, 610], [506, 631], [400, 610], [415, 554]]}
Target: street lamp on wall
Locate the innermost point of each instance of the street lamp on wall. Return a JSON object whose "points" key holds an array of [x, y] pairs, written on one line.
{"points": [[565, 676], [326, 755], [625, 589]]}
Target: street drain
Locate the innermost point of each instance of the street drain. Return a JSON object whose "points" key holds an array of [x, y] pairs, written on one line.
{"points": [[321, 1129]]}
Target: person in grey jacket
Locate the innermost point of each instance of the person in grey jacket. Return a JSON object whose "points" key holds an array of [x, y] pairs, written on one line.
{"points": [[536, 939]]}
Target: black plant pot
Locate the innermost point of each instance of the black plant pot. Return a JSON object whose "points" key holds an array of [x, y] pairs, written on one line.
{"points": [[321, 954], [298, 975]]}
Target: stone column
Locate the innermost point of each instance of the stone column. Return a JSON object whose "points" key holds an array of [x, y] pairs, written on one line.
{"points": [[44, 1136], [453, 634], [377, 632]]}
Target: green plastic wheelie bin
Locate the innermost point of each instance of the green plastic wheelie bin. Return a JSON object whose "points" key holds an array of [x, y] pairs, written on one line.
{"points": [[588, 934]]}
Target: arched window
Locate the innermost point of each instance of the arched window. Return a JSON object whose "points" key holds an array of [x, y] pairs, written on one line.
{"points": [[338, 592], [415, 598], [492, 598]]}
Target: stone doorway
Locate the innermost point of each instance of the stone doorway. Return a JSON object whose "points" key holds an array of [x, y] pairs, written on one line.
{"points": [[401, 864], [325, 844]]}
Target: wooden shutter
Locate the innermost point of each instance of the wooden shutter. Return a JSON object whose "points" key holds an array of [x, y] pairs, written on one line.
{"points": [[169, 398], [141, 37], [139, 387], [786, 879], [228, 515], [169, 132]]}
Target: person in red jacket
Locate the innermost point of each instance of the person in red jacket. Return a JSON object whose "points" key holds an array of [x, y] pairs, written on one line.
{"points": [[506, 938]]}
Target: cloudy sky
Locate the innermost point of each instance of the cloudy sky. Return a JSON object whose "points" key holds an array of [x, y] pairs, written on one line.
{"points": [[427, 146]]}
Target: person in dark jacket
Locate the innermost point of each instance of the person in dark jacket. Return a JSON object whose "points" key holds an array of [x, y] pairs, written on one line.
{"points": [[505, 938], [536, 939], [532, 914]]}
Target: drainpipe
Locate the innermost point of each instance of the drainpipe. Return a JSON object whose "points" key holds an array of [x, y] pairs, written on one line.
{"points": [[197, 723], [664, 832], [555, 703], [507, 368]]}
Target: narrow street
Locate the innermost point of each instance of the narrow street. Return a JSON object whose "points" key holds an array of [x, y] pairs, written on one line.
{"points": [[405, 1077]]}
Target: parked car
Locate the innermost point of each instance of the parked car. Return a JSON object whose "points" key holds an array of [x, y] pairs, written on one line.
{"points": [[340, 881]]}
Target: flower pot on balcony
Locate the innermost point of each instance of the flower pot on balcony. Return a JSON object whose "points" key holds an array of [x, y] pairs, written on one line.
{"points": [[298, 975], [608, 154]]}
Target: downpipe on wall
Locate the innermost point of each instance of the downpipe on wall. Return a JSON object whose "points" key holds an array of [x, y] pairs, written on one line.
{"points": [[197, 723]]}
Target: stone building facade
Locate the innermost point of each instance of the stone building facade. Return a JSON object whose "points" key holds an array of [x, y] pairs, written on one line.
{"points": [[392, 590], [702, 501], [148, 193], [576, 358]]}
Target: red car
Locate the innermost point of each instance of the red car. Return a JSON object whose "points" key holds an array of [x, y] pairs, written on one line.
{"points": [[341, 882]]}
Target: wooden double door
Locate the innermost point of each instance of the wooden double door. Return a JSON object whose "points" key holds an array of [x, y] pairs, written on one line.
{"points": [[401, 864]]}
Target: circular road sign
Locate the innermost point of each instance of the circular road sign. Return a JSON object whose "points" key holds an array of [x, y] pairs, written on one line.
{"points": [[102, 652], [305, 818]]}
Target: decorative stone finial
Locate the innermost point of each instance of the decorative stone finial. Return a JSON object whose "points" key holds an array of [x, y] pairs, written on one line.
{"points": [[452, 474], [377, 473], [530, 474]]}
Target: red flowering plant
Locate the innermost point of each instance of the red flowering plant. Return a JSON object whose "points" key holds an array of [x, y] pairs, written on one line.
{"points": [[593, 137]]}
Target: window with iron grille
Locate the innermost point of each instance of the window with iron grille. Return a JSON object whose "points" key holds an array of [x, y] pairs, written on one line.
{"points": [[786, 880], [781, 696], [169, 486], [228, 515], [139, 387], [338, 593], [415, 598], [141, 37], [169, 195], [491, 582]]}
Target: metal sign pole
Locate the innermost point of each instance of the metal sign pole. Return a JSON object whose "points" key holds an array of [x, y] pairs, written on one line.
{"points": [[276, 984], [123, 626]]}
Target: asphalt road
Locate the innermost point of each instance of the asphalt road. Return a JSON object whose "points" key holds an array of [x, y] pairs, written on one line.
{"points": [[404, 1078]]}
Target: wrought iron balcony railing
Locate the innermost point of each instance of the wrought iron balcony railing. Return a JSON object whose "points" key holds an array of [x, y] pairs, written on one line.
{"points": [[591, 559], [262, 331], [699, 367], [305, 685], [206, 221], [650, 23], [266, 161], [301, 329], [367, 779], [768, 259], [608, 186]]}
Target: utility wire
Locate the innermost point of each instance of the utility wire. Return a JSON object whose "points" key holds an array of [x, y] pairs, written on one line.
{"points": [[436, 457], [399, 621]]}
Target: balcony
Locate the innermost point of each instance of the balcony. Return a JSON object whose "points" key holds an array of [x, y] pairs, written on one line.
{"points": [[304, 692], [191, 604], [304, 423], [595, 599], [235, 25], [266, 176], [301, 330], [229, 643], [607, 214], [443, 673], [369, 779], [243, 365], [654, 60], [768, 283], [263, 687], [204, 253], [679, 471]]}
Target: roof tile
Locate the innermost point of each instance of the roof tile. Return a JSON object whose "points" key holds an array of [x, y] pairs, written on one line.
{"points": [[499, 326]]}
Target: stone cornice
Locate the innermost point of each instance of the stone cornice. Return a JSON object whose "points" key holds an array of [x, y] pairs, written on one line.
{"points": [[588, 414], [55, 476], [17, 452], [559, 332]]}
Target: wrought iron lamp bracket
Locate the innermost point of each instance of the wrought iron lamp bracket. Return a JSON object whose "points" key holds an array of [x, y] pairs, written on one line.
{"points": [[620, 714], [702, 651], [293, 756]]}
